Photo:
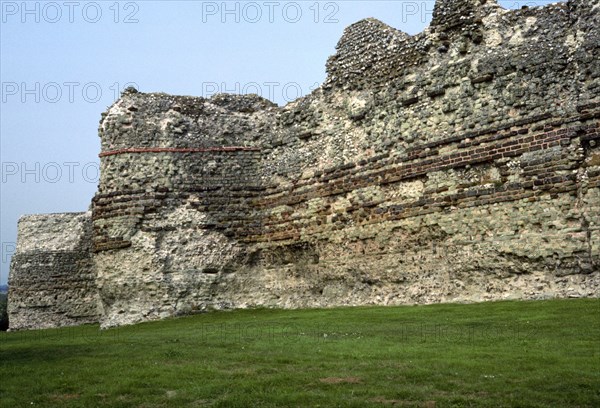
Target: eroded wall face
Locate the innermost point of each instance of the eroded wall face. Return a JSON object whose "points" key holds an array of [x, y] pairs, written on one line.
{"points": [[175, 201], [522, 226], [52, 280], [460, 164]]}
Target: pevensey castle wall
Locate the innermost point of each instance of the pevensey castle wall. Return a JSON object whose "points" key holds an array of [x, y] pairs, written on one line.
{"points": [[170, 214], [459, 164], [52, 279]]}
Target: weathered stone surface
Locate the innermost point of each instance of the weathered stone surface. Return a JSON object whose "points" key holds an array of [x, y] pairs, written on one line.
{"points": [[52, 280], [459, 164]]}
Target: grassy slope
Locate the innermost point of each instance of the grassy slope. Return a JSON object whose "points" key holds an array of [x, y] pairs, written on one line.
{"points": [[526, 354]]}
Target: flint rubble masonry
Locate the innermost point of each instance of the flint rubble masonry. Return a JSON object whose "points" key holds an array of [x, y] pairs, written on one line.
{"points": [[460, 164]]}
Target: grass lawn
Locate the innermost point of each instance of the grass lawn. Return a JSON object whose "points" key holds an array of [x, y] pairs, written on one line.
{"points": [[497, 354]]}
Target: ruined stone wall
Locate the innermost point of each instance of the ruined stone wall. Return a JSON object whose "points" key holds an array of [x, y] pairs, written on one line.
{"points": [[388, 93], [178, 177], [459, 164], [52, 281]]}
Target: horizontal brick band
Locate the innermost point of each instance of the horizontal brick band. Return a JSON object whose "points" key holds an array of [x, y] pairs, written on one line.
{"points": [[179, 150]]}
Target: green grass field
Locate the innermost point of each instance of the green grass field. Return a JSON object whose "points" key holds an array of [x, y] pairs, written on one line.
{"points": [[501, 354]]}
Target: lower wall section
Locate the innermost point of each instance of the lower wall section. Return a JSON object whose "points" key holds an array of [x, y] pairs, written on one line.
{"points": [[169, 268], [540, 249], [52, 279], [503, 216], [514, 215], [484, 224]]}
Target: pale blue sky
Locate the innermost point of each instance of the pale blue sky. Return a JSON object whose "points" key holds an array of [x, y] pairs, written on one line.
{"points": [[62, 63]]}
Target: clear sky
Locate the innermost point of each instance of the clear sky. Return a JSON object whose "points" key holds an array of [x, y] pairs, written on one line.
{"points": [[63, 63]]}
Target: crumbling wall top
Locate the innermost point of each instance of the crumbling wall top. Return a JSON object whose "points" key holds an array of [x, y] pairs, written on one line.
{"points": [[149, 120], [372, 55], [460, 15], [53, 232]]}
